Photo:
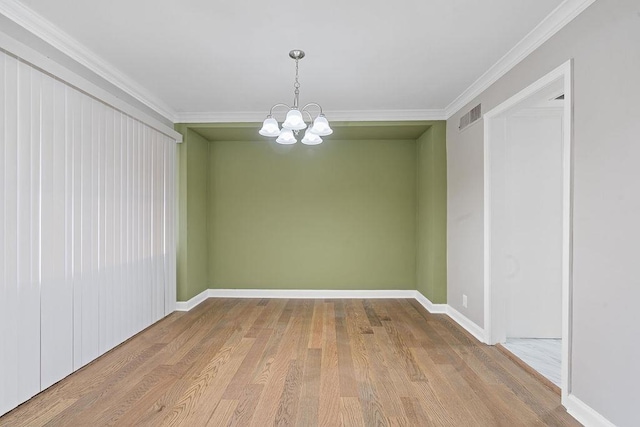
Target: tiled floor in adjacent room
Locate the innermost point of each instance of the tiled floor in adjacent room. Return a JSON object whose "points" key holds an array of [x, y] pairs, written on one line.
{"points": [[543, 355]]}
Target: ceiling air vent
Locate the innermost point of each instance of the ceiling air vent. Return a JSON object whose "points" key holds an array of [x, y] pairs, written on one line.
{"points": [[471, 117]]}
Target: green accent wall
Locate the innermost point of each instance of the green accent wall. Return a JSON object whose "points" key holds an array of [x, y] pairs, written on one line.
{"points": [[340, 215], [431, 214], [193, 212], [367, 211]]}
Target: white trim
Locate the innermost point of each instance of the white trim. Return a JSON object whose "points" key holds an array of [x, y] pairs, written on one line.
{"points": [[188, 305], [562, 72], [56, 37], [221, 117], [486, 242], [354, 115], [554, 22], [466, 323], [567, 229], [429, 306], [309, 293], [525, 93], [386, 115], [584, 413], [27, 54], [454, 314], [540, 112], [292, 294]]}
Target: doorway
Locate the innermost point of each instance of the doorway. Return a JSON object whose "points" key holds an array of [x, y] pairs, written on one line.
{"points": [[528, 225]]}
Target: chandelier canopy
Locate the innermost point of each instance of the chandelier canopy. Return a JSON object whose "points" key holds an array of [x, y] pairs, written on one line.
{"points": [[294, 122]]}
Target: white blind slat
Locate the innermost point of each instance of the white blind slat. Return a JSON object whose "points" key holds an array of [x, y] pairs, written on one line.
{"points": [[28, 298]]}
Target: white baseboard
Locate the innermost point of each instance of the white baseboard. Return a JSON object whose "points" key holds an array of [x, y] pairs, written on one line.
{"points": [[584, 413], [309, 293], [454, 314], [291, 293], [188, 305], [467, 324], [428, 305], [458, 317]]}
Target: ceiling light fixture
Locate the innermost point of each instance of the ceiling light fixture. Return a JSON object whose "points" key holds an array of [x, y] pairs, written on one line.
{"points": [[294, 121]]}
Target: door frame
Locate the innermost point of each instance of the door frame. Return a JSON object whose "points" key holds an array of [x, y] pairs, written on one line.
{"points": [[564, 73]]}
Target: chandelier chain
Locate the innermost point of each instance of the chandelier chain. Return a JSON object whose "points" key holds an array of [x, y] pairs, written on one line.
{"points": [[296, 87]]}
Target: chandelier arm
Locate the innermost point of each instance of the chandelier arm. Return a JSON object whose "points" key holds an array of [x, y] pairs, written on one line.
{"points": [[277, 105], [312, 104], [308, 114]]}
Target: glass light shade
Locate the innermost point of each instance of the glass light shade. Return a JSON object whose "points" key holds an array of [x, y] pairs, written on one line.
{"points": [[269, 127], [286, 137], [294, 120], [311, 138], [321, 126]]}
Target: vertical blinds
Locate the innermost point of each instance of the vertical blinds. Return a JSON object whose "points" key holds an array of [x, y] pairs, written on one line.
{"points": [[87, 229]]}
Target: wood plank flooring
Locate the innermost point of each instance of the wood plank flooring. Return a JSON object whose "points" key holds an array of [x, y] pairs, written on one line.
{"points": [[243, 362]]}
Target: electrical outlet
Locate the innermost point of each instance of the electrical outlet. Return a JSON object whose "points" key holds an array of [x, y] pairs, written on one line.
{"points": [[464, 301]]}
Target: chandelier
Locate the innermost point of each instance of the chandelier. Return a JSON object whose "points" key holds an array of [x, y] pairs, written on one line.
{"points": [[295, 121]]}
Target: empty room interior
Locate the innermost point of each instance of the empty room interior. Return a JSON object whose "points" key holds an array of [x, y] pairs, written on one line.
{"points": [[342, 213]]}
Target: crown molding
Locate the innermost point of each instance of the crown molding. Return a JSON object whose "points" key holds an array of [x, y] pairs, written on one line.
{"points": [[60, 40], [554, 22], [386, 115], [220, 117], [40, 61], [353, 115]]}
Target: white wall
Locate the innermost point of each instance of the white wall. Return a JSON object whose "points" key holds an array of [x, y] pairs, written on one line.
{"points": [[604, 43], [533, 230]]}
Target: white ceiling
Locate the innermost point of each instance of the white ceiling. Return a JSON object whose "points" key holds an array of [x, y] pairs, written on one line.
{"points": [[213, 56]]}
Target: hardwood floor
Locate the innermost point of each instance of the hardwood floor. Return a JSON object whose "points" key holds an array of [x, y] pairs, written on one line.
{"points": [[298, 362]]}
